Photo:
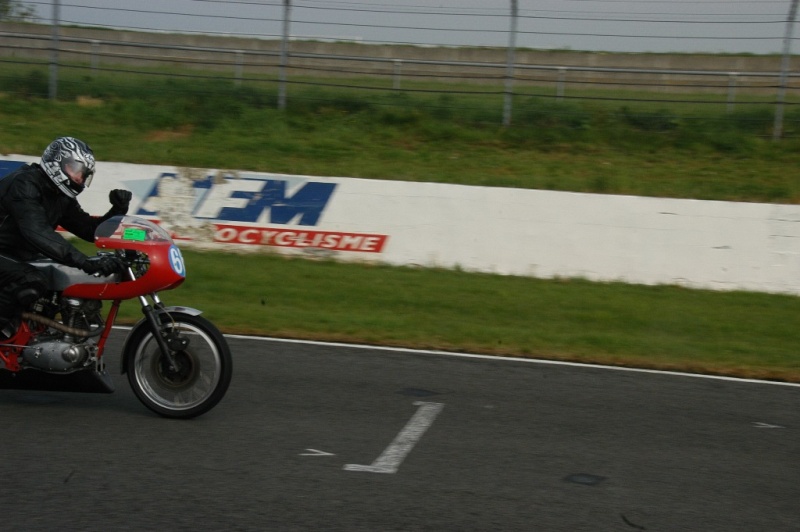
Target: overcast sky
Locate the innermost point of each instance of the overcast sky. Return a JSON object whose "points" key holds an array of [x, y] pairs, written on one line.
{"points": [[733, 26]]}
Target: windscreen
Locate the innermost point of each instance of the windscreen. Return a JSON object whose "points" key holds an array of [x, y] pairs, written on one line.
{"points": [[131, 228]]}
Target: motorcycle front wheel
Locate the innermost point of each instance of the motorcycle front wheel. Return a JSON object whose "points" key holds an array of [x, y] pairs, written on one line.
{"points": [[200, 376]]}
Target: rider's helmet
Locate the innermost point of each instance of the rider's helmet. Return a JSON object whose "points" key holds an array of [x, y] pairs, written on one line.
{"points": [[69, 162]]}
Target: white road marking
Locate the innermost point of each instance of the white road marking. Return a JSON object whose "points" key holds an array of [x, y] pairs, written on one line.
{"points": [[495, 358], [315, 452], [762, 425], [393, 456]]}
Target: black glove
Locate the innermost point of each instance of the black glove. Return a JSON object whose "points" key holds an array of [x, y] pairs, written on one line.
{"points": [[120, 199], [104, 265]]}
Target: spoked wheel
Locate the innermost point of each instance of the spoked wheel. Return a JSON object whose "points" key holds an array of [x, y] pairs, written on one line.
{"points": [[200, 376]]}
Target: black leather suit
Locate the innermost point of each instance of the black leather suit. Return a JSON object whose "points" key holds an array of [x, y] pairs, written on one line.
{"points": [[31, 207]]}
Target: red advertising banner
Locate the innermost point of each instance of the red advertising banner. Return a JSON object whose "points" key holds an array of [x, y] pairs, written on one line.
{"points": [[299, 238]]}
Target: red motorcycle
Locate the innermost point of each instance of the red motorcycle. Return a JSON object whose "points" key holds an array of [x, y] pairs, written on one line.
{"points": [[177, 362]]}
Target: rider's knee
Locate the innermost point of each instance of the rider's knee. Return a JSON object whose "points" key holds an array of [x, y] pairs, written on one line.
{"points": [[26, 297], [30, 288]]}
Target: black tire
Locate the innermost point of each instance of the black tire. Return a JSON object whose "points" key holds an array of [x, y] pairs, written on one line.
{"points": [[203, 372]]}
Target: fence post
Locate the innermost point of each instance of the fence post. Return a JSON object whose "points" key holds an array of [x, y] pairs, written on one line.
{"points": [[238, 69], [732, 81], [95, 54], [398, 66], [287, 11], [562, 74], [777, 131], [53, 89], [509, 85]]}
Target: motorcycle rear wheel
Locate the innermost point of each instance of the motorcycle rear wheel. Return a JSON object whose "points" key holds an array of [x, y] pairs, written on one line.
{"points": [[201, 376]]}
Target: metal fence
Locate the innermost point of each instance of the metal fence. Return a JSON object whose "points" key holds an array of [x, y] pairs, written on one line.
{"points": [[506, 74]]}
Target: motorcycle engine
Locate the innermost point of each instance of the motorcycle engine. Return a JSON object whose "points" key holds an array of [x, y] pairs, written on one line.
{"points": [[61, 352]]}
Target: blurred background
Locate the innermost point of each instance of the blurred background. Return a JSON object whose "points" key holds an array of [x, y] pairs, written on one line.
{"points": [[500, 61]]}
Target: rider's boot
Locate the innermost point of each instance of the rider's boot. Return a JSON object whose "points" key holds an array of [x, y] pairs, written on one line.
{"points": [[8, 328], [26, 297]]}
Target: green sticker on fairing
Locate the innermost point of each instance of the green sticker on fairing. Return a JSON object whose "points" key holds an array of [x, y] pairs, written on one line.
{"points": [[134, 233]]}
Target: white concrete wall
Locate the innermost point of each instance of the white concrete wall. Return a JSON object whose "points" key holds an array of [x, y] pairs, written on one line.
{"points": [[702, 244], [717, 245]]}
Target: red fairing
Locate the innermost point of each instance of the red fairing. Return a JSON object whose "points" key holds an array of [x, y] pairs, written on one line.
{"points": [[160, 276]]}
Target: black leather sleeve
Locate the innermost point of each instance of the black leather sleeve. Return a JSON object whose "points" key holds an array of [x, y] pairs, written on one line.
{"points": [[79, 222], [24, 201]]}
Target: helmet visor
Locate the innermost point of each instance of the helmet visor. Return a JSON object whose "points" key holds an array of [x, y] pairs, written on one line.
{"points": [[77, 171]]}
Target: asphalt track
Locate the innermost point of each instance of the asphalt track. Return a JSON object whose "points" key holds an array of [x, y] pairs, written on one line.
{"points": [[321, 437]]}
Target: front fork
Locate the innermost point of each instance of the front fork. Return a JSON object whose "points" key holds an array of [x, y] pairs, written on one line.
{"points": [[151, 314]]}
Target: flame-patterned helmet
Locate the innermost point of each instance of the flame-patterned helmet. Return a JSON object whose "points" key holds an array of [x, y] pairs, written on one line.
{"points": [[69, 162]]}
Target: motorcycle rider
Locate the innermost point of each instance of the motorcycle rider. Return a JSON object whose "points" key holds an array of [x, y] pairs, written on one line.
{"points": [[34, 200]]}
